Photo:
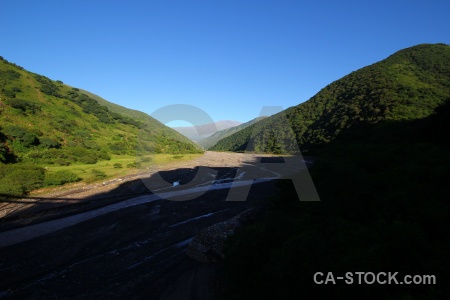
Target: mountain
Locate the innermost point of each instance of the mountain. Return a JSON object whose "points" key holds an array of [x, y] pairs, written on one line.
{"points": [[384, 206], [203, 131], [383, 187], [45, 122], [407, 85], [213, 139], [136, 115]]}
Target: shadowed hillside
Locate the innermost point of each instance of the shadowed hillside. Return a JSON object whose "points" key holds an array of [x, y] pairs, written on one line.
{"points": [[384, 208], [383, 184], [408, 85]]}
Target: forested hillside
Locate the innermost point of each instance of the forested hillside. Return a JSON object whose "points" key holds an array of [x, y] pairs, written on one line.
{"points": [[45, 122], [384, 208], [383, 186], [408, 85]]}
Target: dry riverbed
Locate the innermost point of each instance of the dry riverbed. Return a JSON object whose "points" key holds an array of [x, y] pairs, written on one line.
{"points": [[128, 237], [25, 210]]}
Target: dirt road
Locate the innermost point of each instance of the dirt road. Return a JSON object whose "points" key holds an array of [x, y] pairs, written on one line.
{"points": [[139, 250]]}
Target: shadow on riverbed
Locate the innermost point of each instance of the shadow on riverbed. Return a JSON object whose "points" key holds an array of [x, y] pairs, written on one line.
{"points": [[39, 209], [137, 250]]}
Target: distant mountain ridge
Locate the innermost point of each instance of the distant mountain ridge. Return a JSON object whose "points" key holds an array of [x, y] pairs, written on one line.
{"points": [[198, 133], [213, 139], [407, 85]]}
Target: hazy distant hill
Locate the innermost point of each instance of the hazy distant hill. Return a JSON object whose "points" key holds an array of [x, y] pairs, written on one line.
{"points": [[203, 131], [213, 139], [407, 85]]}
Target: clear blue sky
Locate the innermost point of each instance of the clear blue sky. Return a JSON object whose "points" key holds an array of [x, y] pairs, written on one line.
{"points": [[227, 57]]}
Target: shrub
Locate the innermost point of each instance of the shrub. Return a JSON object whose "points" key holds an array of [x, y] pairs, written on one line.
{"points": [[23, 138], [8, 187], [9, 94], [6, 153], [63, 125], [98, 173], [134, 165], [9, 75], [48, 143], [103, 155], [53, 153], [60, 177], [117, 165], [20, 179], [30, 178], [47, 86], [91, 145], [118, 148], [24, 105], [88, 159], [62, 162]]}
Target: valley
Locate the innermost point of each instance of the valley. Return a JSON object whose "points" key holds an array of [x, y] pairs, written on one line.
{"points": [[100, 201]]}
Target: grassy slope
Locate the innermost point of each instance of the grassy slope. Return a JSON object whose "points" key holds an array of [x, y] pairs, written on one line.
{"points": [[47, 123], [409, 84], [64, 110], [137, 115]]}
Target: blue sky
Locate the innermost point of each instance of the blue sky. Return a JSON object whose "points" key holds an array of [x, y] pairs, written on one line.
{"points": [[228, 58]]}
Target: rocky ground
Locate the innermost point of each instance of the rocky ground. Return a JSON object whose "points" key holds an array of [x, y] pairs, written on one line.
{"points": [[138, 251]]}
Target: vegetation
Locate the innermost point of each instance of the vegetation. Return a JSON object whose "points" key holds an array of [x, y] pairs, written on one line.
{"points": [[47, 123], [19, 179], [139, 116], [380, 135], [408, 85], [60, 177], [384, 208]]}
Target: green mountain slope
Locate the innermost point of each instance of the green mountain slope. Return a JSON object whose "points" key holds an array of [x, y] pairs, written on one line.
{"points": [[408, 85], [384, 206], [45, 122], [221, 134], [383, 186], [138, 115]]}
